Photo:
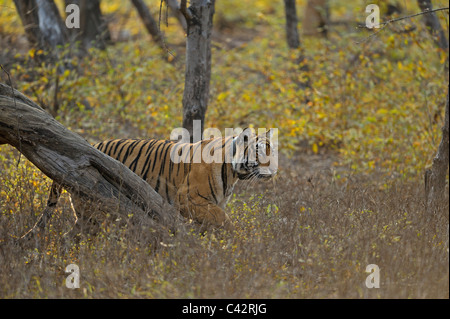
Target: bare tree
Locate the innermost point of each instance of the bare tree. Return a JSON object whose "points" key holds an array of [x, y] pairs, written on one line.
{"points": [[435, 177], [93, 31], [199, 17], [293, 38], [433, 25], [43, 24], [149, 22]]}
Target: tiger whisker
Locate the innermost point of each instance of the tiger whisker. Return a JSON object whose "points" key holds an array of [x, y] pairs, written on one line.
{"points": [[252, 180]]}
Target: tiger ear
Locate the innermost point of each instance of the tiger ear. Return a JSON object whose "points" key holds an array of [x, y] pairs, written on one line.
{"points": [[238, 141], [246, 133], [269, 133], [242, 137]]}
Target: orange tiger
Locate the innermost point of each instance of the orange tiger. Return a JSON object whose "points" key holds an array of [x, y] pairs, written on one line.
{"points": [[198, 179]]}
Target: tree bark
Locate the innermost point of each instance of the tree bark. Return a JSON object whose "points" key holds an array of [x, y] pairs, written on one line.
{"points": [[293, 41], [199, 18], [70, 161], [433, 25], [293, 38], [149, 22], [435, 177], [94, 31], [43, 24]]}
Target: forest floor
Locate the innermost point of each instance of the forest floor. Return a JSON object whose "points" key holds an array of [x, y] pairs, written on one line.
{"points": [[309, 233], [349, 191]]}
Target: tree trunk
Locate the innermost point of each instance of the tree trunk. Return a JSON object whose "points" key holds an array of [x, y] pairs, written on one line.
{"points": [[433, 25], [43, 24], [70, 161], [93, 30], [316, 18], [293, 38], [149, 22], [435, 177], [199, 17], [293, 41]]}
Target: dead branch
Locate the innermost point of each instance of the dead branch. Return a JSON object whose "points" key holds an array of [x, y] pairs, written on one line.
{"points": [[185, 10], [149, 22], [80, 168]]}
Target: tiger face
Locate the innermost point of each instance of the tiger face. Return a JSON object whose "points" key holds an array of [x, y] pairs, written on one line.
{"points": [[254, 155]]}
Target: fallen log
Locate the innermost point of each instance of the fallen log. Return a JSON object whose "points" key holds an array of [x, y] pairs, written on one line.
{"points": [[72, 162]]}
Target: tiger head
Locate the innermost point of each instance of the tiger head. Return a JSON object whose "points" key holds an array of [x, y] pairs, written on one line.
{"points": [[254, 155]]}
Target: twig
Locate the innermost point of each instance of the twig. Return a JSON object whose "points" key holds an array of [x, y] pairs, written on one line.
{"points": [[167, 14], [166, 48], [415, 15], [185, 11], [55, 96], [386, 23], [408, 17], [160, 14]]}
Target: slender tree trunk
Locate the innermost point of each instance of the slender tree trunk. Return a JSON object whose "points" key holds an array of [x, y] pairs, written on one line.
{"points": [[293, 38], [435, 177], [433, 25], [43, 24], [149, 22], [28, 13], [94, 31], [199, 17], [293, 41]]}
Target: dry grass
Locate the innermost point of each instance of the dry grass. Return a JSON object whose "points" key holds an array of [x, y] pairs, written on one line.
{"points": [[309, 234]]}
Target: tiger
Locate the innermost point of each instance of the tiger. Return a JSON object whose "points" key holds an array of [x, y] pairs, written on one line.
{"points": [[198, 186]]}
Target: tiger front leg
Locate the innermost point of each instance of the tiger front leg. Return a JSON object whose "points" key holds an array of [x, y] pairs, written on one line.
{"points": [[206, 213]]}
